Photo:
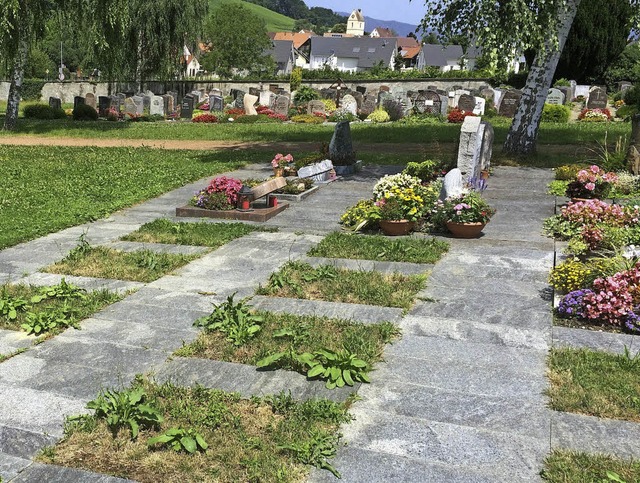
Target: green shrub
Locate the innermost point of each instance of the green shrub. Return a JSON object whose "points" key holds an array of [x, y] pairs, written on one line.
{"points": [[83, 112], [562, 82], [307, 119], [626, 112], [632, 96], [305, 94], [296, 79], [259, 118], [43, 111], [426, 171], [31, 89], [568, 172], [379, 115], [555, 113]]}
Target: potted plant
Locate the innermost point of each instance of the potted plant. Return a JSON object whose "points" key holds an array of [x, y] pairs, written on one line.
{"points": [[465, 216], [591, 183], [279, 162], [398, 210]]}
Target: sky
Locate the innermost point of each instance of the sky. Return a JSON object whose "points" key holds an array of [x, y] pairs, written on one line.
{"points": [[401, 10]]}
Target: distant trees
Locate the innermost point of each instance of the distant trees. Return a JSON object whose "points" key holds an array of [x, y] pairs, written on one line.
{"points": [[318, 19]]}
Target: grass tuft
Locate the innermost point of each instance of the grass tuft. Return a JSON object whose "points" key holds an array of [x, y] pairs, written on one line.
{"points": [[573, 467]]}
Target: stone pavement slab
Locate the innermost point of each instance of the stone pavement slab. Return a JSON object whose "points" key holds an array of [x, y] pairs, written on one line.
{"points": [[10, 466], [371, 265], [128, 246], [595, 340], [38, 472]]}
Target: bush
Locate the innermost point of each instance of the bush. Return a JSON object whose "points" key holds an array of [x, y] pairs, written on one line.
{"points": [[260, 118], [31, 89], [296, 79], [394, 109], [426, 171], [205, 118], [305, 94], [329, 105], [568, 172], [307, 119], [43, 111], [632, 96], [555, 113], [562, 82], [379, 115], [84, 112], [626, 112]]}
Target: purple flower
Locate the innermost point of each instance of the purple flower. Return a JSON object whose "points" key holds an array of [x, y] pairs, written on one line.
{"points": [[572, 304]]}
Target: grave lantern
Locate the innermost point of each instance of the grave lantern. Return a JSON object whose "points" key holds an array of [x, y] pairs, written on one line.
{"points": [[338, 85], [244, 198]]}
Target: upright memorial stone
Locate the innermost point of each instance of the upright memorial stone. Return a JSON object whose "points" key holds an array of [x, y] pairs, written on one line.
{"points": [[104, 104], [139, 103], [469, 150], [90, 100], [555, 97], [77, 101], [430, 102], [478, 110], [566, 93], [281, 105], [368, 105], [265, 98], [130, 107], [316, 106], [156, 107], [597, 98], [248, 104], [55, 103], [509, 103], [582, 91], [216, 103], [146, 105], [186, 108], [466, 102], [349, 103]]}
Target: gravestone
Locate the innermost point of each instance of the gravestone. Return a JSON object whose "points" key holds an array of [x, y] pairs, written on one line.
{"points": [[488, 94], [215, 92], [597, 98], [254, 91], [167, 101], [265, 98], [452, 184], [470, 146], [555, 97], [582, 90], [430, 102], [239, 99], [497, 97], [509, 103], [624, 85], [486, 150], [281, 105], [385, 89], [368, 105], [566, 92], [130, 107], [139, 102], [383, 96], [478, 110], [274, 88], [362, 90], [316, 106], [328, 94], [341, 147], [146, 105], [157, 106], [197, 96], [216, 103], [349, 103], [116, 103], [104, 104], [186, 107], [77, 101], [248, 104], [466, 102], [55, 103], [90, 100], [358, 97], [457, 93]]}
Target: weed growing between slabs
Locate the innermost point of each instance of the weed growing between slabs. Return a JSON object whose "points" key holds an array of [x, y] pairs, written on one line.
{"points": [[301, 280], [49, 310], [200, 233], [223, 438], [574, 467], [101, 262], [375, 247], [595, 383]]}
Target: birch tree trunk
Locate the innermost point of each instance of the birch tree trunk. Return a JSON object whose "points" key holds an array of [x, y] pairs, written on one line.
{"points": [[17, 76], [523, 134]]}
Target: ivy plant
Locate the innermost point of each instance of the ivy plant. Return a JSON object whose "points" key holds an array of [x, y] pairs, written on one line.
{"points": [[125, 408], [235, 320], [180, 440]]}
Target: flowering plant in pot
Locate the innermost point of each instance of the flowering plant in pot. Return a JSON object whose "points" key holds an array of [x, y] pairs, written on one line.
{"points": [[398, 210], [591, 183], [279, 162], [467, 212]]}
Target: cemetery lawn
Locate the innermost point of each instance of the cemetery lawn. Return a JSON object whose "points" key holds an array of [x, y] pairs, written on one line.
{"points": [[266, 439], [301, 280], [431, 131], [574, 467], [595, 383], [199, 233], [101, 262], [77, 308], [46, 189], [310, 333], [377, 247]]}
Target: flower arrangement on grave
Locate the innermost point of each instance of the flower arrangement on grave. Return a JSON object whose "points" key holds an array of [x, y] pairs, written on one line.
{"points": [[220, 194], [456, 116], [591, 183], [281, 161], [112, 115], [205, 118], [399, 204], [595, 115], [271, 114], [469, 207], [390, 181]]}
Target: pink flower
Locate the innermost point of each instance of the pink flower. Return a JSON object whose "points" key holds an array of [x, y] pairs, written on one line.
{"points": [[594, 169], [590, 186]]}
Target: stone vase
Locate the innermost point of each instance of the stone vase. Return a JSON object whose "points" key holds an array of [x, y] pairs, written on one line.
{"points": [[396, 227], [465, 230]]}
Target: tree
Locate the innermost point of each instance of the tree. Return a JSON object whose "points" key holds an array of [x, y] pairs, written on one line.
{"points": [[339, 28], [594, 45], [514, 26], [238, 44]]}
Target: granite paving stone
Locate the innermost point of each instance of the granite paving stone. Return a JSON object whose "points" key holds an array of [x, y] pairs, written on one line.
{"points": [[38, 472], [128, 246], [10, 466], [596, 340], [370, 265]]}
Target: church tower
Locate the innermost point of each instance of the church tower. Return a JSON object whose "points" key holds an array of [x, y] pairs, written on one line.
{"points": [[355, 24]]}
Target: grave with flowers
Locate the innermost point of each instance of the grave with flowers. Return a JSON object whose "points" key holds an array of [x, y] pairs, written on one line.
{"points": [[229, 199]]}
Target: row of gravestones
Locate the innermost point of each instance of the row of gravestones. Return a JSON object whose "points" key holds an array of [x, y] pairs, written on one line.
{"points": [[135, 105]]}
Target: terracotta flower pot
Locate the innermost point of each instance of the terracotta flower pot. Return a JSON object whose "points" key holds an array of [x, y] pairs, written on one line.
{"points": [[465, 230], [278, 171], [396, 227]]}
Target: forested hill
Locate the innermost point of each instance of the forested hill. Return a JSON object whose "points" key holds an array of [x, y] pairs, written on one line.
{"points": [[276, 22], [298, 10]]}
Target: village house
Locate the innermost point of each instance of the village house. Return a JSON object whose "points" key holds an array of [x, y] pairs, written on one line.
{"points": [[356, 54]]}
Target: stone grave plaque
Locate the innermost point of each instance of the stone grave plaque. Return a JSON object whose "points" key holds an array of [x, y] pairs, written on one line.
{"points": [[281, 105], [597, 98], [466, 102], [104, 104], [215, 92], [582, 90], [368, 105], [624, 85], [157, 106], [78, 100], [254, 91], [509, 103], [566, 92], [328, 94], [488, 94], [497, 97], [130, 106], [430, 102], [55, 103], [481, 102], [197, 96], [216, 103], [186, 107], [555, 97], [239, 99], [90, 100], [361, 89], [383, 96], [249, 104], [358, 97], [316, 106], [265, 98], [116, 103], [167, 100], [146, 105], [349, 103], [139, 102]]}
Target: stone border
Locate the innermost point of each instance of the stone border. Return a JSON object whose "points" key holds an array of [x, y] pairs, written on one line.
{"points": [[296, 198], [258, 214]]}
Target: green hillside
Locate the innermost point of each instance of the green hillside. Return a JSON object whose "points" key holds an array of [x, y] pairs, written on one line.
{"points": [[275, 21]]}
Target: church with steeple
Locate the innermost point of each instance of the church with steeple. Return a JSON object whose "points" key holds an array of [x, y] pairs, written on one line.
{"points": [[355, 24]]}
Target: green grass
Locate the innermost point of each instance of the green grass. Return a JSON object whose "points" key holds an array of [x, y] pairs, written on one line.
{"points": [[275, 21], [80, 307], [4, 357], [268, 439], [200, 233], [44, 189], [573, 467], [375, 247], [312, 334], [301, 280], [101, 262], [595, 383]]}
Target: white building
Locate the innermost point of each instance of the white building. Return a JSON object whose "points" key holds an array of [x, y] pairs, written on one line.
{"points": [[355, 23]]}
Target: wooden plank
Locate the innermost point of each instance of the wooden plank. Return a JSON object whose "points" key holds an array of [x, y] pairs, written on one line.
{"points": [[267, 187]]}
